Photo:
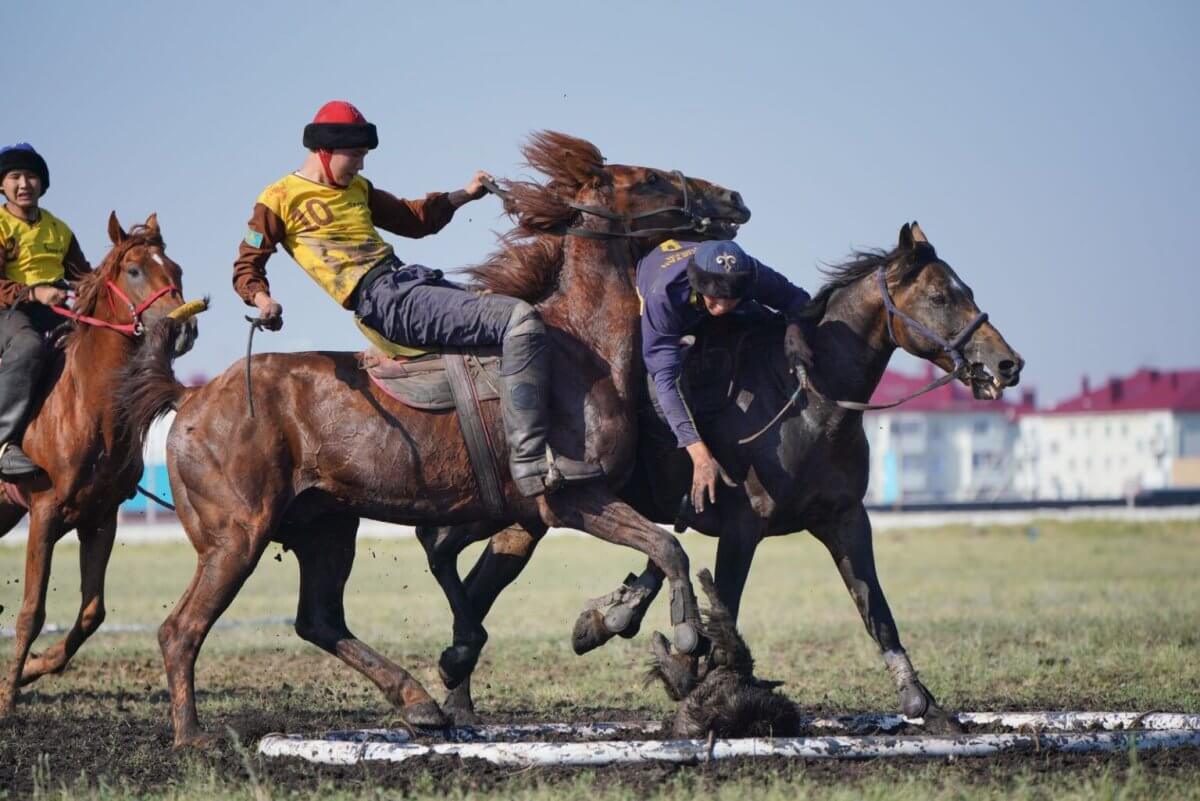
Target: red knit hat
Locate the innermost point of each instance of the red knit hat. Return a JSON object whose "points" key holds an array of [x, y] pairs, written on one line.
{"points": [[339, 125]]}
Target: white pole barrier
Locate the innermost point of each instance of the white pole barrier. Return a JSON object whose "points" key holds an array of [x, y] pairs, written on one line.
{"points": [[608, 752], [860, 724]]}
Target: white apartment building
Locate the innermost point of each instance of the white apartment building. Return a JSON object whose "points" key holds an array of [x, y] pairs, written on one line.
{"points": [[1134, 433]]}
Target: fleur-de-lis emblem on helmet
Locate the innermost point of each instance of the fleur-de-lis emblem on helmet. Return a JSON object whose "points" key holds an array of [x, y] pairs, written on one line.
{"points": [[727, 261]]}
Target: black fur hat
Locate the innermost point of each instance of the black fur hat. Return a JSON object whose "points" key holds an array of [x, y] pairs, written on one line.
{"points": [[22, 156]]}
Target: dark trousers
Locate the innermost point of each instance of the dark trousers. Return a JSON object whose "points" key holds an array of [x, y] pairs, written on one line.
{"points": [[23, 355], [415, 306]]}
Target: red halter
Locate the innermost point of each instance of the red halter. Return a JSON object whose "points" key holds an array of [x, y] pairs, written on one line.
{"points": [[133, 329]]}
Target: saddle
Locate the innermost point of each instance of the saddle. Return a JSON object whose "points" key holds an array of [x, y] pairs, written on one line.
{"points": [[445, 380]]}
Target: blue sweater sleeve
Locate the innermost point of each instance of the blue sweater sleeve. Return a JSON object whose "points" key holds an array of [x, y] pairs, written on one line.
{"points": [[663, 355], [772, 289]]}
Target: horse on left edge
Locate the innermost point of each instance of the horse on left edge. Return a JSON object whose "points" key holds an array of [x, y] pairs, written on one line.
{"points": [[91, 459]]}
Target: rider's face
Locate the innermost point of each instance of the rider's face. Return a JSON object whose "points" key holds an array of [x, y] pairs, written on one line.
{"points": [[345, 164], [22, 188], [719, 306]]}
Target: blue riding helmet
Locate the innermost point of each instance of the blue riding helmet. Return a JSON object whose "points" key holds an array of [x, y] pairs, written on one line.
{"points": [[721, 269]]}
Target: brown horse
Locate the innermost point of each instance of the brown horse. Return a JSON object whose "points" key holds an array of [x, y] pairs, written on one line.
{"points": [[92, 461], [333, 447], [808, 472]]}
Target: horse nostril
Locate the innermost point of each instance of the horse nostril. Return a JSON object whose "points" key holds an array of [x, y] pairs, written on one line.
{"points": [[1007, 367]]}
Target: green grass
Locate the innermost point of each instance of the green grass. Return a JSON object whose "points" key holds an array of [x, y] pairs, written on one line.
{"points": [[1081, 616]]}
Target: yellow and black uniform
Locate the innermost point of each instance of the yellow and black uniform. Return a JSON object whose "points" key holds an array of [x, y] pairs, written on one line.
{"points": [[41, 252], [331, 231]]}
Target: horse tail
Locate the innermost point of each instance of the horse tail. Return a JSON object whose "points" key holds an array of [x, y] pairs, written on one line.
{"points": [[148, 388]]}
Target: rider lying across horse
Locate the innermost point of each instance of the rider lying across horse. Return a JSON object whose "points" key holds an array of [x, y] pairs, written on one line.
{"points": [[683, 283], [38, 255], [325, 215]]}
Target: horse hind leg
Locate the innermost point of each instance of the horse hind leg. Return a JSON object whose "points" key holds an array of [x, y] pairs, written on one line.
{"points": [[501, 562], [95, 548], [442, 546], [326, 558], [44, 532]]}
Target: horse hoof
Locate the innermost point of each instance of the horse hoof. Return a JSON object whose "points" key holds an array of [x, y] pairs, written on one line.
{"points": [[199, 741], [456, 665], [425, 715], [618, 619], [686, 637], [915, 700], [589, 632], [464, 717]]}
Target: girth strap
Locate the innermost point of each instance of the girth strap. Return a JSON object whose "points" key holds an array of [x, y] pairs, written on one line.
{"points": [[475, 433]]}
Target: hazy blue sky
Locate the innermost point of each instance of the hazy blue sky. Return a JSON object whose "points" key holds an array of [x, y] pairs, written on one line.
{"points": [[1049, 150]]}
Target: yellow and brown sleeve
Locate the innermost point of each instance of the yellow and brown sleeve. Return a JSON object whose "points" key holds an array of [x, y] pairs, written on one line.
{"points": [[414, 218], [264, 232]]}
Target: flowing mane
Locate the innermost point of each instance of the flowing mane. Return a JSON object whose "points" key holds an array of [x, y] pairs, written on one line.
{"points": [[89, 289], [861, 264], [529, 258]]}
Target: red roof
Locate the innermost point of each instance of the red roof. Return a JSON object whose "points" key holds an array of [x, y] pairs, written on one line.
{"points": [[952, 397], [1171, 390]]}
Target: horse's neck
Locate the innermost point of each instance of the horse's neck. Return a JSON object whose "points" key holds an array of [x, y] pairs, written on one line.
{"points": [[92, 368], [851, 345], [597, 303]]}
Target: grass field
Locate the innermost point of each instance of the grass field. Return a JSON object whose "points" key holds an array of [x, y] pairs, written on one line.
{"points": [[1057, 616]]}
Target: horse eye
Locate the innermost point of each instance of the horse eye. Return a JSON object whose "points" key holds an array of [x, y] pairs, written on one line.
{"points": [[938, 299], [652, 178], [133, 271]]}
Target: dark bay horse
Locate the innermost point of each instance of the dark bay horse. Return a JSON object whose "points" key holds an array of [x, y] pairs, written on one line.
{"points": [[332, 447], [92, 461], [808, 472]]}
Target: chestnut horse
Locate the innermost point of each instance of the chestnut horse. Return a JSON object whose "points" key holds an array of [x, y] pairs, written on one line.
{"points": [[333, 447], [91, 460], [807, 472]]}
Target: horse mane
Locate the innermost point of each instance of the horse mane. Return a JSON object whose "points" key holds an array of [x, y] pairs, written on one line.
{"points": [[530, 257], [88, 290], [901, 264]]}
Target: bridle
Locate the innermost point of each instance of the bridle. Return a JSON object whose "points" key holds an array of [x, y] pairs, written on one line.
{"points": [[953, 347], [695, 222], [136, 327]]}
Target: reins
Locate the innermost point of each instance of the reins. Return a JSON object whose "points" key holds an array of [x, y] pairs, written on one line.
{"points": [[132, 329], [952, 347]]}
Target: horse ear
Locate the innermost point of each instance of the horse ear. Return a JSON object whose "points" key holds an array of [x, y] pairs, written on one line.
{"points": [[152, 221], [917, 234], [906, 238], [115, 232]]}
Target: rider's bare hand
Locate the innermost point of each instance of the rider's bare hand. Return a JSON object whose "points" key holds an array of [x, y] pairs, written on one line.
{"points": [[705, 472], [269, 311], [49, 295], [475, 187]]}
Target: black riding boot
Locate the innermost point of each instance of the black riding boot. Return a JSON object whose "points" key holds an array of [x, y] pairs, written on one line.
{"points": [[525, 403], [16, 396]]}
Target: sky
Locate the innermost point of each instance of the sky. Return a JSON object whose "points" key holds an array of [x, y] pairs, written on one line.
{"points": [[1049, 150]]}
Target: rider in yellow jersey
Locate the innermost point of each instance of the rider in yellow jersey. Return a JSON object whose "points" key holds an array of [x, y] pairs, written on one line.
{"points": [[325, 215], [38, 255]]}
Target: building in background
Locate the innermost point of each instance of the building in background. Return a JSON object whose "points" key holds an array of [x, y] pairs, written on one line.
{"points": [[1141, 432], [941, 447]]}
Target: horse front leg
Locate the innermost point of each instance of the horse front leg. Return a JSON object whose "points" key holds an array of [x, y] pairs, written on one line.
{"points": [[597, 511], [848, 537], [619, 612], [45, 529], [95, 548]]}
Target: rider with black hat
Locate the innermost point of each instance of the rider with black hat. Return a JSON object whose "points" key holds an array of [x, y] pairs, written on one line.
{"points": [[38, 255]]}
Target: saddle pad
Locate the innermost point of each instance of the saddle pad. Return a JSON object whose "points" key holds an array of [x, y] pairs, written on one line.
{"points": [[422, 382]]}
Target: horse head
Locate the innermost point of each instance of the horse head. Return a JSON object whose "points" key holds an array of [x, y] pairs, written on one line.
{"points": [[141, 283], [931, 313], [644, 204]]}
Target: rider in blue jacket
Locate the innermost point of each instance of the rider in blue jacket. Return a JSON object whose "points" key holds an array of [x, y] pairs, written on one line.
{"points": [[681, 284]]}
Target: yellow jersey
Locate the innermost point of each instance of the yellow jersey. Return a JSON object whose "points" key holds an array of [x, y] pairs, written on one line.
{"points": [[34, 252]]}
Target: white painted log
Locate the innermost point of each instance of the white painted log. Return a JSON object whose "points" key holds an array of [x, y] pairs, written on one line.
{"points": [[866, 724], [608, 752]]}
